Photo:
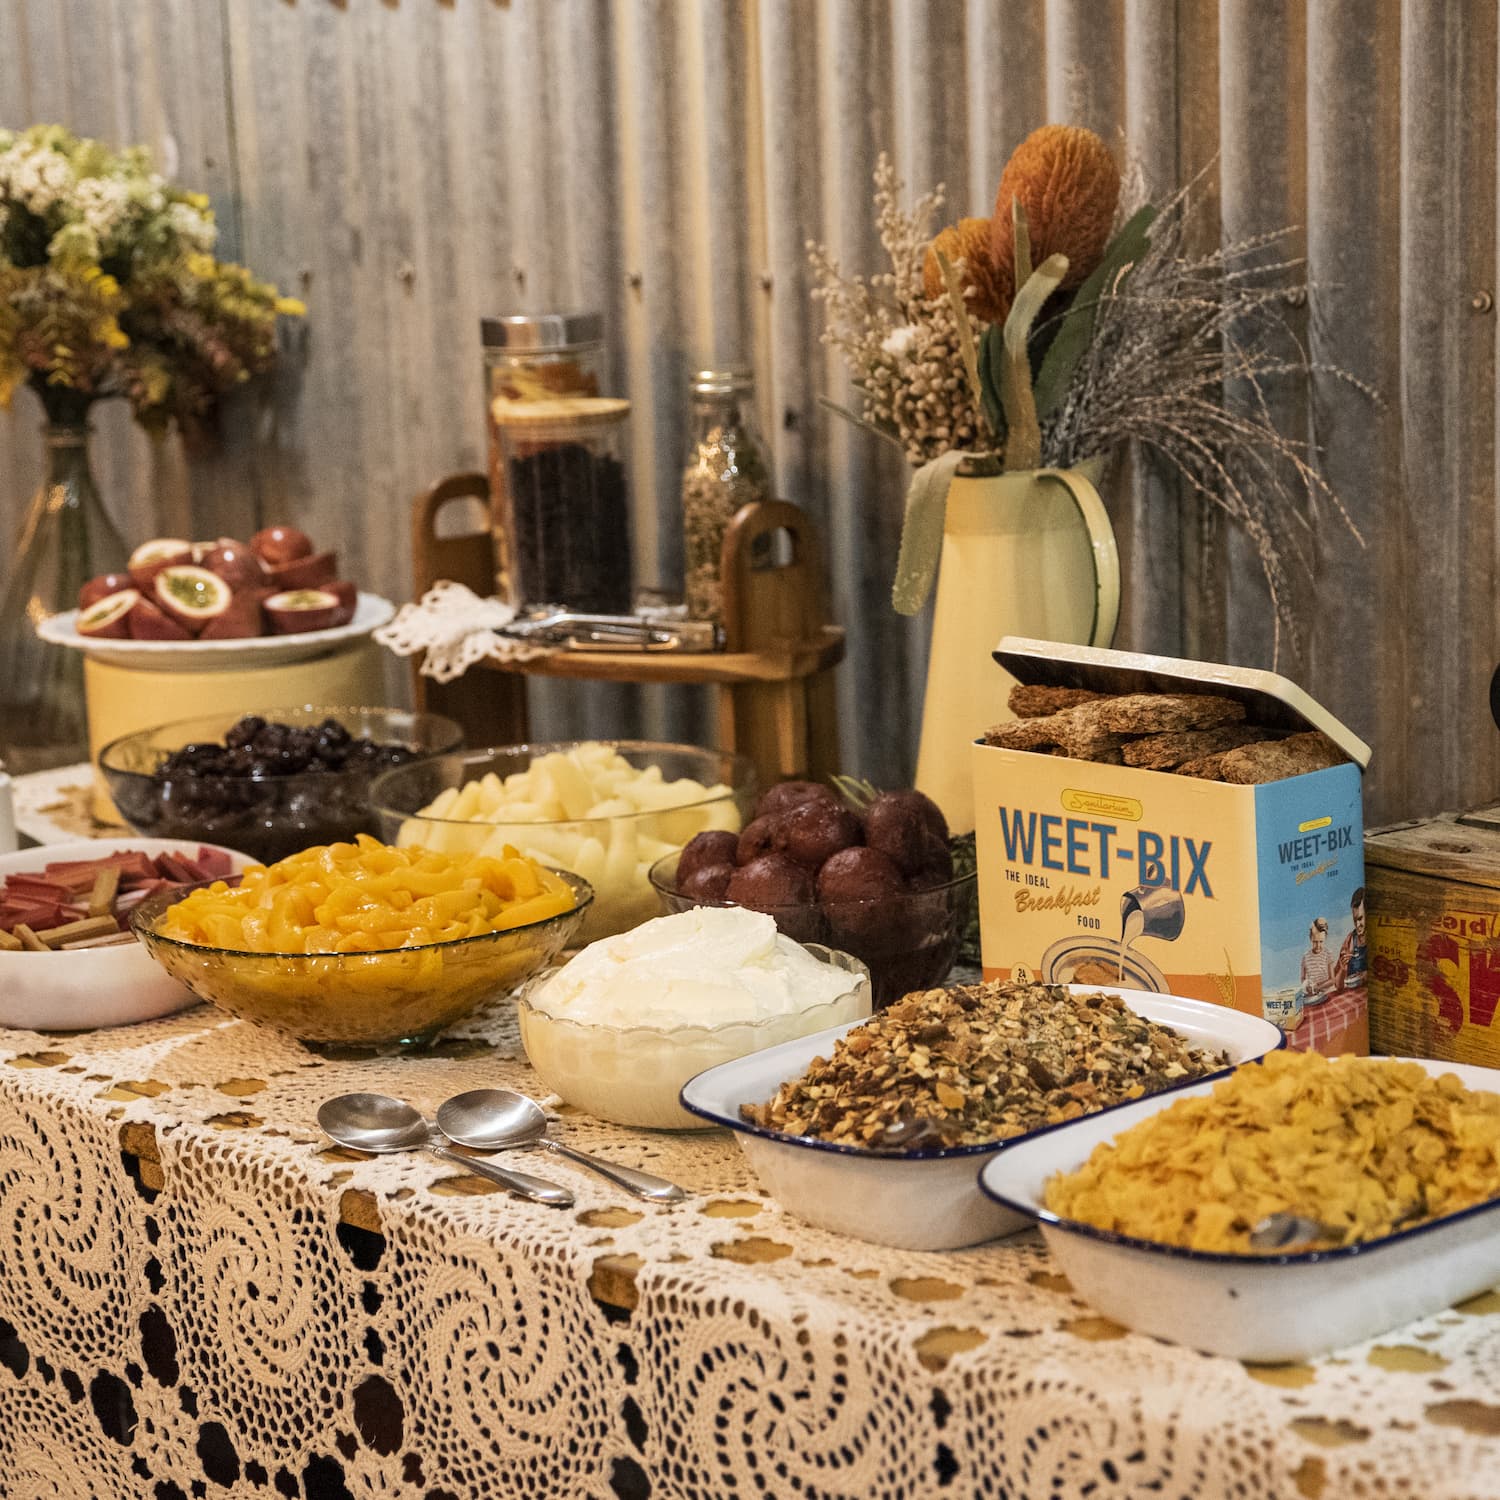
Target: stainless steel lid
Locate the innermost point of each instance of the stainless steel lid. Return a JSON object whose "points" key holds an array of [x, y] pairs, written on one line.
{"points": [[542, 330], [730, 379]]}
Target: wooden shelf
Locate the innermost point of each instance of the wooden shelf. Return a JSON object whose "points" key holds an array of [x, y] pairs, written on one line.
{"points": [[774, 684], [769, 664]]}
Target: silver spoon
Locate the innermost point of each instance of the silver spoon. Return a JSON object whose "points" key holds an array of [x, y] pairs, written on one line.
{"points": [[1287, 1231], [380, 1124], [499, 1119]]}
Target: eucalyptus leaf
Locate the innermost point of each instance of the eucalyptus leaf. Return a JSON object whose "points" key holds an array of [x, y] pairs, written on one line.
{"points": [[922, 531], [991, 356], [860, 421], [1023, 442], [966, 348], [1076, 327], [1021, 234]]}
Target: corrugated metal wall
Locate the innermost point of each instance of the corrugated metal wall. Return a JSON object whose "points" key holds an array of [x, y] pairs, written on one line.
{"points": [[410, 164]]}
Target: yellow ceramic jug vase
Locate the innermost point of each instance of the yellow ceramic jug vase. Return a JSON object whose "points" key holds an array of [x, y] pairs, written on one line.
{"points": [[1028, 553]]}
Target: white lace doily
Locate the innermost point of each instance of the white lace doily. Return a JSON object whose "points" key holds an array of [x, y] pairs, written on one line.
{"points": [[204, 1322], [455, 629]]}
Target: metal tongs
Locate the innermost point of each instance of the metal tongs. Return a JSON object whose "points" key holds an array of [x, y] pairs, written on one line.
{"points": [[580, 632]]}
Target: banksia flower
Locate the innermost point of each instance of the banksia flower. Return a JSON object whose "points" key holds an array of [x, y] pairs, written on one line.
{"points": [[1068, 184], [991, 286]]}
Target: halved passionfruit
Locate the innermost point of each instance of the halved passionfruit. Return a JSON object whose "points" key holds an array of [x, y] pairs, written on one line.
{"points": [[306, 572], [151, 557], [102, 587], [236, 564], [191, 595], [296, 610], [243, 618], [109, 618], [280, 544], [347, 595], [148, 623]]}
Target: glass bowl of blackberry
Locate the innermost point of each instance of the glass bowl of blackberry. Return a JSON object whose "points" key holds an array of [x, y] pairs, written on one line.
{"points": [[270, 782]]}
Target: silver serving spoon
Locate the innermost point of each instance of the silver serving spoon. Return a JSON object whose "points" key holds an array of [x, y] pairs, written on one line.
{"points": [[380, 1124], [1287, 1231], [499, 1119]]}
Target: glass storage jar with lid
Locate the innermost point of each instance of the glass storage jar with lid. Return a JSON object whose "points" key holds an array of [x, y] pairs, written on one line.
{"points": [[534, 357], [726, 468], [562, 512]]}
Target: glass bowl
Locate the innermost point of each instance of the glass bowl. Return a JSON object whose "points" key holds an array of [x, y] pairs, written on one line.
{"points": [[398, 997], [268, 817], [633, 1075], [909, 941], [614, 854]]}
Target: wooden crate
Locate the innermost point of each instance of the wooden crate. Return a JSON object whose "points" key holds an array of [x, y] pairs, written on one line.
{"points": [[1433, 907]]}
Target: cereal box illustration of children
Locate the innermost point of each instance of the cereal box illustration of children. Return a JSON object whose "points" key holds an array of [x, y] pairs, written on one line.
{"points": [[1317, 964], [1352, 967]]}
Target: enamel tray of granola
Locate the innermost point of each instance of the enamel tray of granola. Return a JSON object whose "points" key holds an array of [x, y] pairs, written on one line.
{"points": [[879, 1129]]}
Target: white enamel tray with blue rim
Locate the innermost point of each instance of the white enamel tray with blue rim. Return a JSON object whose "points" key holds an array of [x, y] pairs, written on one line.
{"points": [[370, 613], [920, 1200], [1262, 1308]]}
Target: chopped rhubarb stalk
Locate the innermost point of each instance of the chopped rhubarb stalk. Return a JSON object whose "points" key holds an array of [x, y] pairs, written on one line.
{"points": [[106, 888], [78, 902], [39, 887], [213, 862], [74, 932]]}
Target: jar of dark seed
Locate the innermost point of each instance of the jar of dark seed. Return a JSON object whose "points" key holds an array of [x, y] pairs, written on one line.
{"points": [[726, 468], [564, 504], [535, 357]]}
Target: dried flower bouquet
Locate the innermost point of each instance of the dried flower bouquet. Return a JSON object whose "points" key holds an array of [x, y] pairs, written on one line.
{"points": [[109, 287], [1062, 330]]}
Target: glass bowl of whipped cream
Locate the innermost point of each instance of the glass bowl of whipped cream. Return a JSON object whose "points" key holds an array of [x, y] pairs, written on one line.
{"points": [[620, 1027]]}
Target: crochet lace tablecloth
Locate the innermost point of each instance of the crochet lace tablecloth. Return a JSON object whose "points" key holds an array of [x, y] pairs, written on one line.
{"points": [[209, 1327]]}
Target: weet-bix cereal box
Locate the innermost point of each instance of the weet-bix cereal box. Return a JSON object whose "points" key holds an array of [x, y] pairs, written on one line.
{"points": [[1251, 896]]}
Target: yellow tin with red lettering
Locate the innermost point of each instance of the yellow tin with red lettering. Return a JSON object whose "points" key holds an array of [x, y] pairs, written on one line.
{"points": [[1434, 896]]}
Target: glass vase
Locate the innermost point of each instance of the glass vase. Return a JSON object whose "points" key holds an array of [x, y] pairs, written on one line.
{"points": [[66, 539]]}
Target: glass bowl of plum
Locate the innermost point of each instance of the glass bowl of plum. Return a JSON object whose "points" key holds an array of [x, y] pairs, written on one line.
{"points": [[867, 872], [271, 782]]}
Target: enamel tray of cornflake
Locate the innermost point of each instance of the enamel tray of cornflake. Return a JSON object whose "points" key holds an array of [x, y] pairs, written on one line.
{"points": [[1250, 1307]]}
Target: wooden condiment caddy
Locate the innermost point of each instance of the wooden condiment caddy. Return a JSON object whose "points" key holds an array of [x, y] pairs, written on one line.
{"points": [[773, 681], [1433, 903]]}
